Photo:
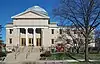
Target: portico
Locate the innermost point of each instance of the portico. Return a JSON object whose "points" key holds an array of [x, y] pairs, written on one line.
{"points": [[28, 36]]}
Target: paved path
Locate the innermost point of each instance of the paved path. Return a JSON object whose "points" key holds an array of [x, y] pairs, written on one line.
{"points": [[46, 61]]}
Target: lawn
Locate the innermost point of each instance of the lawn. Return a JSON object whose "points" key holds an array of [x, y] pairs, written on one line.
{"points": [[83, 63], [61, 56]]}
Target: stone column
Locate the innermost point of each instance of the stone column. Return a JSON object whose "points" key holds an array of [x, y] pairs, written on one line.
{"points": [[34, 36], [18, 44], [26, 36]]}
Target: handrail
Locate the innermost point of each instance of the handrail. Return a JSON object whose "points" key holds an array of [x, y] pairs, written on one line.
{"points": [[22, 49], [29, 51], [17, 52]]}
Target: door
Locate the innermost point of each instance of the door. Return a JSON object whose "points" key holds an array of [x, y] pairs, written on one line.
{"points": [[38, 41], [23, 42], [31, 41]]}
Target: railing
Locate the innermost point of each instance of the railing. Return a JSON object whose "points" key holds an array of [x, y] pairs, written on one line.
{"points": [[18, 51], [29, 51]]}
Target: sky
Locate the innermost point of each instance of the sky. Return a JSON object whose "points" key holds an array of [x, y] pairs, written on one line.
{"points": [[10, 8]]}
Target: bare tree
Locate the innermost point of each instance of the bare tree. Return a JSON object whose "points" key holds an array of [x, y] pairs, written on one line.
{"points": [[97, 33], [97, 39], [84, 14]]}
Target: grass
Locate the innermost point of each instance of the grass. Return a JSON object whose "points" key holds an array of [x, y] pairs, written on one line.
{"points": [[83, 63], [77, 56], [94, 56]]}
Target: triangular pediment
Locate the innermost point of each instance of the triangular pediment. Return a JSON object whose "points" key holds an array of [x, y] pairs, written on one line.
{"points": [[29, 14]]}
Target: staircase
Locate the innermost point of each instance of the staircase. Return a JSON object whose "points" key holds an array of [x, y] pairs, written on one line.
{"points": [[23, 54]]}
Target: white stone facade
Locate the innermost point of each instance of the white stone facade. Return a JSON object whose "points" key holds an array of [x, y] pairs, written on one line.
{"points": [[32, 20]]}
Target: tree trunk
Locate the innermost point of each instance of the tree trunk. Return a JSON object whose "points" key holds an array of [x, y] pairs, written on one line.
{"points": [[86, 49], [78, 50]]}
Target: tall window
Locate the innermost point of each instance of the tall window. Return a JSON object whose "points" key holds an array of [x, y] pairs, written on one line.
{"points": [[38, 30], [23, 41], [10, 40], [38, 40], [52, 31], [22, 30], [30, 30], [11, 31], [60, 31], [52, 41]]}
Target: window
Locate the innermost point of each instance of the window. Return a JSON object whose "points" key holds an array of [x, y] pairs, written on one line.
{"points": [[38, 30], [11, 31], [30, 30], [52, 31], [60, 31], [52, 41], [23, 41], [10, 40], [38, 41], [22, 30]]}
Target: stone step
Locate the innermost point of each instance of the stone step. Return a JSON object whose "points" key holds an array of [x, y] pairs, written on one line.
{"points": [[33, 55], [10, 57]]}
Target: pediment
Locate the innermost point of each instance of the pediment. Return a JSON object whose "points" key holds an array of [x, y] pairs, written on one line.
{"points": [[29, 14]]}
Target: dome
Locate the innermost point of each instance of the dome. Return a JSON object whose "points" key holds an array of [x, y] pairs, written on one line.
{"points": [[37, 9]]}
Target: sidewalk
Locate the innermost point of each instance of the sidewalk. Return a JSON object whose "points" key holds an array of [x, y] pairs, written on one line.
{"points": [[65, 60], [47, 61]]}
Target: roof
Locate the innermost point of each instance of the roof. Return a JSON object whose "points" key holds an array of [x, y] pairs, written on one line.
{"points": [[35, 9]]}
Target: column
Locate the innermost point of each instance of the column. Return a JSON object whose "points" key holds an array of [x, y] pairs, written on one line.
{"points": [[34, 36], [26, 36], [18, 44]]}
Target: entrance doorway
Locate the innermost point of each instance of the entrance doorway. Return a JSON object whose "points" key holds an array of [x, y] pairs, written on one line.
{"points": [[31, 42], [23, 42], [38, 41]]}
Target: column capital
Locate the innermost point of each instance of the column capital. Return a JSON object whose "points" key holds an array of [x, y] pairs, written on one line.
{"points": [[34, 28], [26, 27]]}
